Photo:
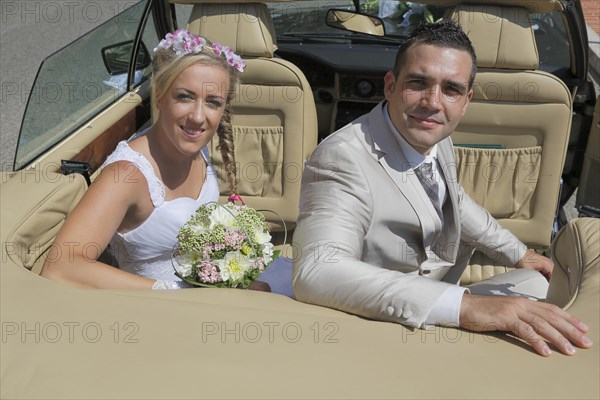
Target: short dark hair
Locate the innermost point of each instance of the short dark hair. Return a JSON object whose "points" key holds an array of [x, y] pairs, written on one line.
{"points": [[445, 34]]}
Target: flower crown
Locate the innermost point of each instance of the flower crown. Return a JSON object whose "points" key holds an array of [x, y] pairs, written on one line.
{"points": [[182, 42]]}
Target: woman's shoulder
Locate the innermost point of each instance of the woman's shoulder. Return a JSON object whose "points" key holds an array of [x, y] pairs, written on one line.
{"points": [[121, 153], [121, 171], [127, 166]]}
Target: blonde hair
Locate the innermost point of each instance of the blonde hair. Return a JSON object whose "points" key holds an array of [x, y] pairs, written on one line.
{"points": [[167, 66]]}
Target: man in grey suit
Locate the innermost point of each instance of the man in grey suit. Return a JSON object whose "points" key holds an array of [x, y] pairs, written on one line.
{"points": [[385, 230]]}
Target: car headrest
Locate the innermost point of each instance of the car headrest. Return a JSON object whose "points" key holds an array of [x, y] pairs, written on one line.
{"points": [[502, 36], [247, 28]]}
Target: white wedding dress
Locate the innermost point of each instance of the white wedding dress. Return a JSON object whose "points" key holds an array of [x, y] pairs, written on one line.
{"points": [[147, 250]]}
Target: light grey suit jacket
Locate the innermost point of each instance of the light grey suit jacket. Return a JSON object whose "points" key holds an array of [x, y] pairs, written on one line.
{"points": [[366, 226]]}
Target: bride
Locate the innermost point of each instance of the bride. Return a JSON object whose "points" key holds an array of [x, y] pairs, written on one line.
{"points": [[153, 183]]}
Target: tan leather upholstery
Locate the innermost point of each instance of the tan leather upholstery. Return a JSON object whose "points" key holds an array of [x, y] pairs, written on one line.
{"points": [[504, 27], [525, 111], [576, 256], [247, 28], [34, 217], [355, 22], [152, 344], [204, 332], [481, 267], [274, 113]]}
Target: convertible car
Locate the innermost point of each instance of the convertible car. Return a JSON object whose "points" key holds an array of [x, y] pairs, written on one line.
{"points": [[530, 135]]}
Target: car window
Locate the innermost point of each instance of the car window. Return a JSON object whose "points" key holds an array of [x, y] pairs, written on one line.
{"points": [[308, 17], [73, 85], [305, 16], [182, 14], [552, 41]]}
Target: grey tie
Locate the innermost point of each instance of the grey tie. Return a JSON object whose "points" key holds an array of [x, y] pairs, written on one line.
{"points": [[425, 174]]}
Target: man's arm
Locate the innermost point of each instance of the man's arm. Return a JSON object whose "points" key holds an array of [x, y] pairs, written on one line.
{"points": [[335, 216]]}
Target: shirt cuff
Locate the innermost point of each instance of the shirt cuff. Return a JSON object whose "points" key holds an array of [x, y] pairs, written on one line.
{"points": [[520, 253], [446, 309]]}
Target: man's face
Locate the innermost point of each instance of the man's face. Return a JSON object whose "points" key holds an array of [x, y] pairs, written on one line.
{"points": [[430, 94]]}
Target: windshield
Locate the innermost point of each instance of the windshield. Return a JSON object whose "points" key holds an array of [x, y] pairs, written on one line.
{"points": [[298, 18], [306, 20]]}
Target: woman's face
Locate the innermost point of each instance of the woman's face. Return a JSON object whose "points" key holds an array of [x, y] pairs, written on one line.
{"points": [[191, 109]]}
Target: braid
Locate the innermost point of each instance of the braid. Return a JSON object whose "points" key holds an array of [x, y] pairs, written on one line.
{"points": [[225, 133]]}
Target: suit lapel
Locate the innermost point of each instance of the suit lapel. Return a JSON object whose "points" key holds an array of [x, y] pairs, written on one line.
{"points": [[387, 151], [385, 148]]}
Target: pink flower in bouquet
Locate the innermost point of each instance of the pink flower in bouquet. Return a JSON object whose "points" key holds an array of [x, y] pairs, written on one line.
{"points": [[234, 239], [208, 273]]}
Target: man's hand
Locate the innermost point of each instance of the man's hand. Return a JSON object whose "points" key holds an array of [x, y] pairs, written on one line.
{"points": [[537, 262], [535, 322], [260, 286]]}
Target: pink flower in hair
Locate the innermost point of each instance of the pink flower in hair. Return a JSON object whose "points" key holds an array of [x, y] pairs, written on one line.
{"points": [[217, 48], [184, 42]]}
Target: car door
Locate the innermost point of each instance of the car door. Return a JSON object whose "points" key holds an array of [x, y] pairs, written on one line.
{"points": [[90, 94], [86, 97], [588, 194], [565, 37]]}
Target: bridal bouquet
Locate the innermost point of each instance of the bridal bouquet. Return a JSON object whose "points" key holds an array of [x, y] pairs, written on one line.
{"points": [[223, 246]]}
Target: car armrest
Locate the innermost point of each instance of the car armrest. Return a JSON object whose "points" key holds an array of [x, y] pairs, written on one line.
{"points": [[575, 252], [35, 204]]}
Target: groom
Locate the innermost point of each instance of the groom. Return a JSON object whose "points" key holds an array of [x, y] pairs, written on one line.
{"points": [[384, 233]]}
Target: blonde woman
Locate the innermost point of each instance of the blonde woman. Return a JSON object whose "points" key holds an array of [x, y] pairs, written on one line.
{"points": [[151, 185]]}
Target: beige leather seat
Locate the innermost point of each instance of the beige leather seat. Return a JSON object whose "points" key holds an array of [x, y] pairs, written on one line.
{"points": [[274, 115], [517, 125]]}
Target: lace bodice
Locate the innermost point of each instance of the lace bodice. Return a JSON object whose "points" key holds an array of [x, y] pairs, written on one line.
{"points": [[147, 249], [124, 153]]}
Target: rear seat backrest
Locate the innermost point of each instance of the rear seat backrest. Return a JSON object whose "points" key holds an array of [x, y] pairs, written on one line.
{"points": [[515, 131], [274, 115]]}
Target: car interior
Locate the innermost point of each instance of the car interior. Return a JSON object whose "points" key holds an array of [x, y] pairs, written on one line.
{"points": [[500, 148], [278, 119], [511, 148]]}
